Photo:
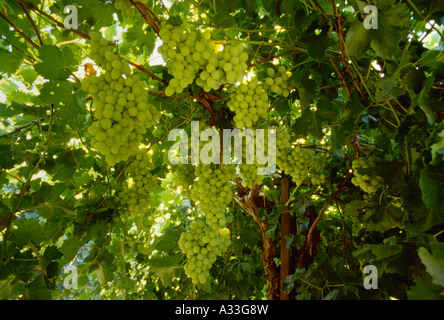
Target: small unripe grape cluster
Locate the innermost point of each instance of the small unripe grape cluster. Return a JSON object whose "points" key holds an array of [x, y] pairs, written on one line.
{"points": [[279, 82], [364, 181], [183, 176], [212, 191], [134, 197], [121, 105], [185, 53], [226, 66], [202, 245], [300, 164], [249, 102]]}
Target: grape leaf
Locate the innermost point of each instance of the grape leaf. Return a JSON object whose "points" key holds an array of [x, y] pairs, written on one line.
{"points": [[424, 289], [434, 261], [10, 61], [56, 62], [164, 267], [431, 182]]}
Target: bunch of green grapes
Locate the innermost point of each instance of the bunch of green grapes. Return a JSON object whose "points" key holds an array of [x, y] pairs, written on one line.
{"points": [[364, 181], [282, 140], [249, 171], [134, 197], [121, 105], [300, 164], [202, 245], [316, 174], [279, 82], [249, 102], [212, 191], [226, 66], [183, 176], [185, 52]]}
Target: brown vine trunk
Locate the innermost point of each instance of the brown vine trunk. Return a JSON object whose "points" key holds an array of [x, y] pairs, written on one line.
{"points": [[285, 231], [249, 202]]}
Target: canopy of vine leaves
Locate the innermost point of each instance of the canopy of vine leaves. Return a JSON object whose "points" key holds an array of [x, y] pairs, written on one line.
{"points": [[115, 115]]}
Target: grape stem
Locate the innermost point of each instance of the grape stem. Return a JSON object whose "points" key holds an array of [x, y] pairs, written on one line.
{"points": [[321, 214]]}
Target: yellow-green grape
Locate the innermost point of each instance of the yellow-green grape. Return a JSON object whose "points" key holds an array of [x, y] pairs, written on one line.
{"points": [[134, 197], [365, 182], [279, 82], [249, 102], [185, 52], [125, 7], [120, 105], [213, 193], [202, 245], [183, 176]]}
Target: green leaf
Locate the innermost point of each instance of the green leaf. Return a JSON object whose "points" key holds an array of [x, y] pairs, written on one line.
{"points": [[424, 289], [382, 251], [164, 267], [357, 40], [434, 262], [317, 45], [10, 61], [223, 18], [431, 182], [167, 241], [37, 290], [56, 63], [393, 23]]}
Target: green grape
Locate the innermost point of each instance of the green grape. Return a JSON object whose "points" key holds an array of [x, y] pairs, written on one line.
{"points": [[365, 182], [134, 195], [120, 101]]}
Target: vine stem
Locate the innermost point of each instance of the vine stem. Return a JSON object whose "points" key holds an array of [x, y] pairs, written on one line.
{"points": [[58, 23], [32, 23], [324, 208], [20, 50], [19, 31], [85, 36], [112, 186], [17, 203], [342, 50]]}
